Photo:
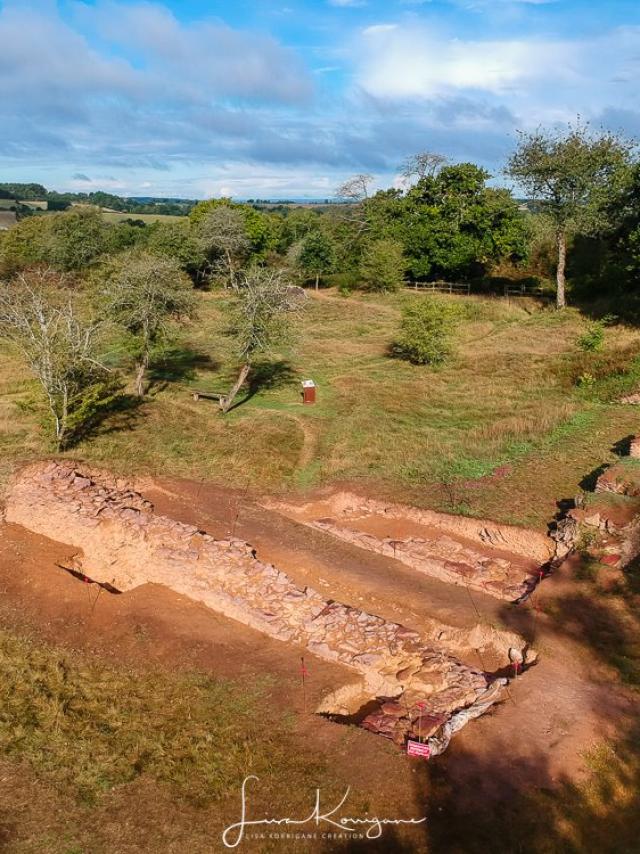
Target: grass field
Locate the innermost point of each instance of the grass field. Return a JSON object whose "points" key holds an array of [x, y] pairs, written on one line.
{"points": [[503, 430], [114, 216], [85, 741]]}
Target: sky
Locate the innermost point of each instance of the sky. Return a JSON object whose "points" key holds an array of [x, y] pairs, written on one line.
{"points": [[283, 99]]}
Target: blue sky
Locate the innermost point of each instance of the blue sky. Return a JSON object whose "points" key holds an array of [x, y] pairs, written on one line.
{"points": [[288, 98]]}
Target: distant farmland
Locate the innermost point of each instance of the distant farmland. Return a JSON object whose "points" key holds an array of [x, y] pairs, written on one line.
{"points": [[116, 216]]}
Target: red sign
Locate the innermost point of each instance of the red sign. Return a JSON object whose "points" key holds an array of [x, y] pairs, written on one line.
{"points": [[417, 748]]}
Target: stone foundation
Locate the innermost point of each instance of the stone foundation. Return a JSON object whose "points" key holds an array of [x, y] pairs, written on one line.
{"points": [[123, 543]]}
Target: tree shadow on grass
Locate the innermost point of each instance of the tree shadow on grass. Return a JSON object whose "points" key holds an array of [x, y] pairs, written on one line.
{"points": [[588, 482], [502, 797], [500, 803], [118, 415], [621, 448], [266, 376], [178, 364]]}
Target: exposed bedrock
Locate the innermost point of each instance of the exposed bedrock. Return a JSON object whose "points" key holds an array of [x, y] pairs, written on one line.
{"points": [[501, 560], [122, 542]]}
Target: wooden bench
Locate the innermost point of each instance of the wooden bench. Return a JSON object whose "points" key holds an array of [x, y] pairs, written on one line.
{"points": [[208, 395]]}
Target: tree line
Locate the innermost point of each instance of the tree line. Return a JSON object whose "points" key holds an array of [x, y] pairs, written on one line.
{"points": [[69, 279]]}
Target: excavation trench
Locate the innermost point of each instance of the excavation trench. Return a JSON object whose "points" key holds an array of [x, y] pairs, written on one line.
{"points": [[502, 561], [405, 684]]}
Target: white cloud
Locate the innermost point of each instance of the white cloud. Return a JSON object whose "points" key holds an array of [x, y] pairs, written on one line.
{"points": [[345, 3], [202, 60], [374, 29], [142, 102], [408, 62], [540, 79]]}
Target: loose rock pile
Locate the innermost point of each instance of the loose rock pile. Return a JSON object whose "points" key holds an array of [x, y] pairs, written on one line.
{"points": [[501, 560], [606, 523], [125, 544]]}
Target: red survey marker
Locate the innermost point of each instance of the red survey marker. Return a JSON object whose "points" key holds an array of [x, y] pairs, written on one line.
{"points": [[417, 748]]}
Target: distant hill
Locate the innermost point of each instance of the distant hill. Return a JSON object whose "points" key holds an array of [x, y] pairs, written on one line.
{"points": [[60, 201]]}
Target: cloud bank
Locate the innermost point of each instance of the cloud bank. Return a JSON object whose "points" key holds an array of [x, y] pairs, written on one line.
{"points": [[143, 100]]}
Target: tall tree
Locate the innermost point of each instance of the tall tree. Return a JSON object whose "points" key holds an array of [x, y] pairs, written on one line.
{"points": [[263, 229], [316, 256], [451, 224], [624, 241], [425, 164], [41, 318], [178, 240], [383, 265], [76, 238], [64, 241], [146, 295], [261, 313], [356, 188], [573, 175]]}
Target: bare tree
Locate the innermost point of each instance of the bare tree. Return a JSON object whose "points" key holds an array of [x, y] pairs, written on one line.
{"points": [[425, 164], [40, 318], [146, 295], [264, 304], [223, 237], [355, 189]]}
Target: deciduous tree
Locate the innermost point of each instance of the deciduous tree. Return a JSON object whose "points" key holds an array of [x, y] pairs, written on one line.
{"points": [[383, 265], [223, 238], [425, 164], [316, 256], [146, 295], [573, 175], [356, 188], [264, 305], [451, 224], [40, 316]]}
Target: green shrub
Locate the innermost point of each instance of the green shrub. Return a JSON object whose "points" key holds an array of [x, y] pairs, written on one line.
{"points": [[592, 340], [383, 266], [426, 331]]}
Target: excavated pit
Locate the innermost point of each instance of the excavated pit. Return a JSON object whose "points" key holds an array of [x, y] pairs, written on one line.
{"points": [[417, 686], [501, 560]]}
